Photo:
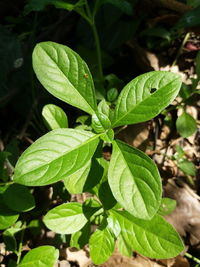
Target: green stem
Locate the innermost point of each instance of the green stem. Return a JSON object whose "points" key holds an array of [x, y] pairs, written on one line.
{"points": [[187, 36], [192, 258], [96, 39], [19, 254]]}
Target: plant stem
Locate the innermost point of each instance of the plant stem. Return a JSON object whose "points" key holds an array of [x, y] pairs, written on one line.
{"points": [[192, 258], [96, 39], [19, 254], [187, 36]]}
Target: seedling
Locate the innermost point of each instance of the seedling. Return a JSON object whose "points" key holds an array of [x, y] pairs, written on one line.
{"points": [[127, 190]]}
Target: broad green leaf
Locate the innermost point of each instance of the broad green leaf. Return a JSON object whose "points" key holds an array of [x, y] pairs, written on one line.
{"points": [[44, 256], [17, 197], [186, 125], [80, 239], [67, 218], [75, 182], [137, 103], [54, 156], [134, 181], [187, 167], [167, 206], [65, 75], [102, 244], [155, 238], [54, 117], [123, 247]]}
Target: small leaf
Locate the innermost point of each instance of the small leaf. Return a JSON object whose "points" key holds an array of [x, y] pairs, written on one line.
{"points": [[54, 156], [134, 180], [67, 218], [44, 256], [17, 197], [136, 103], [102, 244], [154, 238], [80, 238], [186, 125], [112, 94], [187, 167], [65, 75], [54, 117], [167, 206]]}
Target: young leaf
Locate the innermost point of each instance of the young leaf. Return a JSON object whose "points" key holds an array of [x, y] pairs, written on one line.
{"points": [[134, 180], [44, 256], [187, 167], [102, 244], [65, 75], [17, 197], [80, 238], [167, 206], [67, 218], [155, 238], [54, 117], [136, 103], [54, 156], [186, 125]]}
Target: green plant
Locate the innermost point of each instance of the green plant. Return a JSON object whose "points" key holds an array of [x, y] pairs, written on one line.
{"points": [[127, 191]]}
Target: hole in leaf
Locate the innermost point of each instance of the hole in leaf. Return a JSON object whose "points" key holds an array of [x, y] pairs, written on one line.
{"points": [[152, 90]]}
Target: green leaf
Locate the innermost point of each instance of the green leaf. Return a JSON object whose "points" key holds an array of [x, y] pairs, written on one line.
{"points": [[123, 5], [75, 182], [54, 117], [136, 103], [190, 18], [38, 5], [67, 218], [123, 247], [7, 217], [17, 197], [187, 167], [9, 238], [193, 3], [112, 94], [134, 180], [155, 238], [65, 75], [54, 156], [102, 244], [44, 256], [186, 125], [167, 206], [80, 238]]}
